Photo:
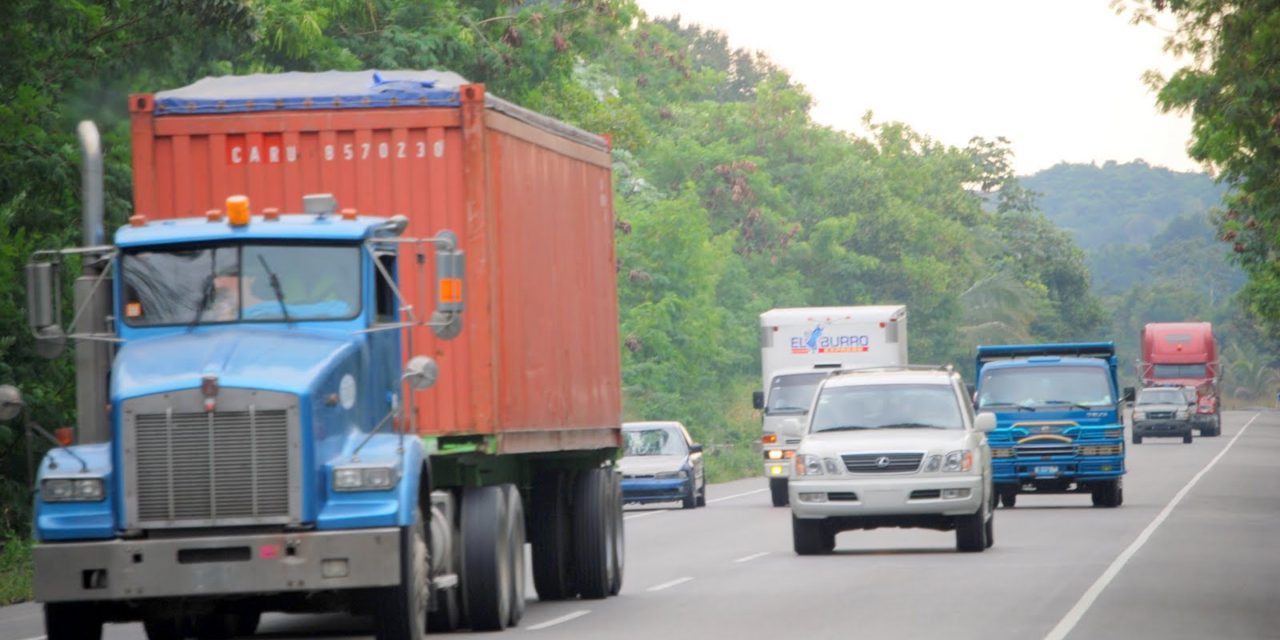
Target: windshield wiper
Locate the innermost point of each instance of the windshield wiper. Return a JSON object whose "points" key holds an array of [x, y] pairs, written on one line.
{"points": [[275, 287], [1023, 407], [847, 427], [1073, 404], [207, 291], [910, 425]]}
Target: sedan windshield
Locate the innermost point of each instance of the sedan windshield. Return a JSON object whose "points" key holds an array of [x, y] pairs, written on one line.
{"points": [[887, 406], [793, 393], [657, 441], [232, 283], [1028, 387]]}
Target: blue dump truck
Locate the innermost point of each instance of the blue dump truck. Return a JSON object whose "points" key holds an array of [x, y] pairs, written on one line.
{"points": [[285, 400], [1059, 421]]}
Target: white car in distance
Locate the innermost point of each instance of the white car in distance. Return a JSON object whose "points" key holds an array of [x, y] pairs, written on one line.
{"points": [[896, 447]]}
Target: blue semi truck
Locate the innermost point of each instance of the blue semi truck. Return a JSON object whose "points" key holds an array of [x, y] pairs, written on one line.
{"points": [[1059, 420]]}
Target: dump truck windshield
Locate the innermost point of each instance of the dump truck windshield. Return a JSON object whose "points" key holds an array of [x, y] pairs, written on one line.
{"points": [[240, 283], [1028, 387]]}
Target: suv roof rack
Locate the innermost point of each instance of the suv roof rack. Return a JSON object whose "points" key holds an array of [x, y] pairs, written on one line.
{"points": [[905, 367]]}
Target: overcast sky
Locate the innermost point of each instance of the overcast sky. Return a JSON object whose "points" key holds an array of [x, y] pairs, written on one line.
{"points": [[1061, 79]]}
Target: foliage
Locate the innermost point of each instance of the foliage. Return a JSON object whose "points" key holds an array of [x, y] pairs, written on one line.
{"points": [[15, 568]]}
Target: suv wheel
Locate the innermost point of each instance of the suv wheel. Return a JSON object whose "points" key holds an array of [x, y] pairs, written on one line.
{"points": [[811, 537], [971, 532]]}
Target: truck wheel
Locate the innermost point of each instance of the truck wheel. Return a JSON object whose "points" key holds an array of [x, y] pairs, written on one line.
{"points": [[619, 537], [1008, 499], [516, 540], [552, 542], [811, 537], [72, 621], [167, 628], [446, 614], [1108, 495], [247, 623], [592, 518], [402, 609], [1217, 424], [1137, 439], [486, 566], [1186, 438], [971, 532], [778, 491]]}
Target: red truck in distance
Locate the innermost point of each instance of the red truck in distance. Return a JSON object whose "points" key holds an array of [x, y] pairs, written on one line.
{"points": [[1185, 354]]}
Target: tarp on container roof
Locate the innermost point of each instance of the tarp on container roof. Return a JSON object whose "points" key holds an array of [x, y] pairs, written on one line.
{"points": [[298, 90]]}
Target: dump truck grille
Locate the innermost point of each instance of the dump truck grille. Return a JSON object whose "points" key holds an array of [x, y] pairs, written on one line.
{"points": [[228, 467]]}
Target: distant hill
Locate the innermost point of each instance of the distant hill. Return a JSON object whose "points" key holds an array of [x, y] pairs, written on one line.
{"points": [[1120, 203]]}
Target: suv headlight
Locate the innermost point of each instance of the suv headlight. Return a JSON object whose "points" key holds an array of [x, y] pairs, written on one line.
{"points": [[365, 478], [808, 464], [72, 490], [960, 460]]}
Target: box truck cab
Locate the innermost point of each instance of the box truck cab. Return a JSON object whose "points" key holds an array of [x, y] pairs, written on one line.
{"points": [[398, 334], [1059, 427], [1185, 354], [798, 348]]}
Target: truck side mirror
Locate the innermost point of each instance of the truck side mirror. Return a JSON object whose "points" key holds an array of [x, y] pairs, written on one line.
{"points": [[1129, 394], [757, 399], [421, 372], [985, 422], [44, 308]]}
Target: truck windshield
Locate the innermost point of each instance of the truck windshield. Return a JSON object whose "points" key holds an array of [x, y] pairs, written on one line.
{"points": [[792, 393], [240, 282], [1179, 370], [887, 406], [1029, 387]]}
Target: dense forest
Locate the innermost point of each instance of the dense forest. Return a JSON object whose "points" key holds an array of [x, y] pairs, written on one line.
{"points": [[730, 198]]}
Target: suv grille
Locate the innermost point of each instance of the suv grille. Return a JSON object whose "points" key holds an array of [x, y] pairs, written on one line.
{"points": [[896, 462]]}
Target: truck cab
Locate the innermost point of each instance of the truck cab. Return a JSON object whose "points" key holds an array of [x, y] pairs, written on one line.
{"points": [[1058, 412]]}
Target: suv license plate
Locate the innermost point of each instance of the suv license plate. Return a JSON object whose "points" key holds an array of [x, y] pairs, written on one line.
{"points": [[1047, 470]]}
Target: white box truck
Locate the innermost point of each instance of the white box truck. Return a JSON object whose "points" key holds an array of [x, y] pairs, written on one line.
{"points": [[798, 348]]}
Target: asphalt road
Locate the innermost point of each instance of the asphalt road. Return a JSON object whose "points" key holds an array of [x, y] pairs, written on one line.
{"points": [[1193, 553]]}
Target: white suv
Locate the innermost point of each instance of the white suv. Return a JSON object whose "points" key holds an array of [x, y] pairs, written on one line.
{"points": [[893, 448]]}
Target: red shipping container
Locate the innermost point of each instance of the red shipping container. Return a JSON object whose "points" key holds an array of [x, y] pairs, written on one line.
{"points": [[537, 363]]}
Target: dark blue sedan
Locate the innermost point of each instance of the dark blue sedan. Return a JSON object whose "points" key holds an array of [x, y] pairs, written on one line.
{"points": [[662, 463]]}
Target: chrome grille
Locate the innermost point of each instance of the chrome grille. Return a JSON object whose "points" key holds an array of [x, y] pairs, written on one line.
{"points": [[233, 466], [894, 462]]}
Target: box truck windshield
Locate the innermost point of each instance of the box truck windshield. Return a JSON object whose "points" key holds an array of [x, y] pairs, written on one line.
{"points": [[792, 394]]}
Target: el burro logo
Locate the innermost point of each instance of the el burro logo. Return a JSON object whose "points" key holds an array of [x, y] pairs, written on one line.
{"points": [[815, 342]]}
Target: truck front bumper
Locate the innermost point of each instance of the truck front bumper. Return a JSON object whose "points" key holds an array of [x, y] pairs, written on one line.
{"points": [[1162, 428], [836, 497], [1057, 474], [217, 565]]}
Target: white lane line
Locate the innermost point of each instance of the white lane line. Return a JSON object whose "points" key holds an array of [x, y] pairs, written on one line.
{"points": [[669, 584], [555, 621], [646, 514], [737, 495], [752, 557], [1069, 621], [35, 638]]}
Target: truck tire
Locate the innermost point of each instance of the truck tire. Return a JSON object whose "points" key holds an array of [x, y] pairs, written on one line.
{"points": [[72, 621], [401, 612], [619, 537], [552, 538], [1108, 495], [592, 521], [971, 532], [811, 537], [166, 628], [486, 563], [247, 623], [1137, 439], [778, 492], [1008, 499], [516, 540]]}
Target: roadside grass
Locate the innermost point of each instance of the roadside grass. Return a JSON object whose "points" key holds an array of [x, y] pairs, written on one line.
{"points": [[734, 451], [15, 569]]}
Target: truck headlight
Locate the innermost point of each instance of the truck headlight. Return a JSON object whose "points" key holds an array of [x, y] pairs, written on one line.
{"points": [[371, 478], [961, 460], [72, 490]]}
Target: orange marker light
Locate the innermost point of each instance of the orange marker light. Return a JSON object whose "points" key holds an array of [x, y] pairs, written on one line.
{"points": [[271, 214], [213, 215], [349, 214], [450, 290], [137, 220], [769, 439], [238, 210]]}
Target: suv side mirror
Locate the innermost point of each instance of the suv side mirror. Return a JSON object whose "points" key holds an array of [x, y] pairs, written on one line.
{"points": [[1129, 394], [695, 448], [985, 422], [757, 399]]}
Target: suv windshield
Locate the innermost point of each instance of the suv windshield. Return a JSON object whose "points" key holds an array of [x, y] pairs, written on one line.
{"points": [[240, 282], [793, 393], [1162, 396], [882, 406], [1045, 386], [657, 441]]}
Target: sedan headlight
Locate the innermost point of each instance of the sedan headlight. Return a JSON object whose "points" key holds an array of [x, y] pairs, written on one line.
{"points": [[682, 474], [960, 460], [365, 478], [73, 490]]}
